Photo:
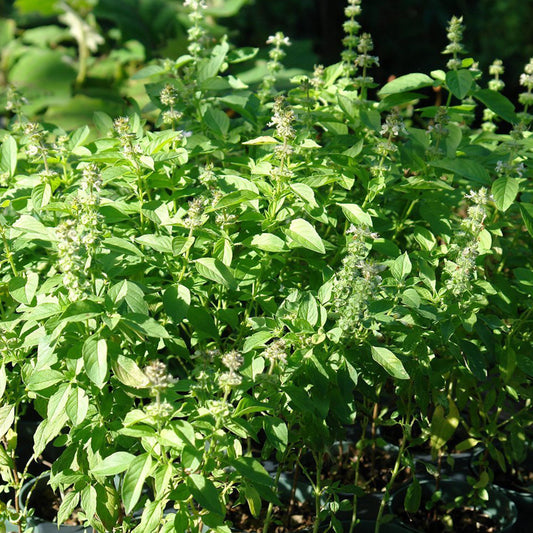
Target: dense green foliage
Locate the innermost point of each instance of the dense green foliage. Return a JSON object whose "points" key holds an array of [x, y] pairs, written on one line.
{"points": [[230, 272]]}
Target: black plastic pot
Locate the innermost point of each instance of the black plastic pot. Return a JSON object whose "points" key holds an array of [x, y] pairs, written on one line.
{"points": [[499, 506], [38, 524]]}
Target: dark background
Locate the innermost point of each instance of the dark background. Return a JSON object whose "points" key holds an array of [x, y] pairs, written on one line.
{"points": [[408, 35]]}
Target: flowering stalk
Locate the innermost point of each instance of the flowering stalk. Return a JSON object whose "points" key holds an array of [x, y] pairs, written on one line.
{"points": [[497, 85], [526, 80], [274, 66]]}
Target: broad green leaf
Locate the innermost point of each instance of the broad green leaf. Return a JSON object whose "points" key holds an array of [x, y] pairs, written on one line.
{"points": [[235, 198], [41, 195], [69, 502], [497, 103], [384, 357], [23, 290], [356, 215], [7, 417], [103, 122], [276, 432], [159, 243], [128, 372], [401, 267], [305, 235], [217, 121], [134, 480], [176, 301], [305, 193], [33, 229], [443, 427], [8, 156], [269, 242], [113, 464], [3, 380], [130, 293], [47, 430], [209, 67], [150, 518], [413, 496], [467, 168], [94, 352], [145, 325], [205, 493], [117, 244], [257, 339], [526, 211], [459, 82], [88, 499], [424, 238], [504, 190], [77, 405], [409, 82], [108, 506], [43, 379], [215, 270], [253, 498]]}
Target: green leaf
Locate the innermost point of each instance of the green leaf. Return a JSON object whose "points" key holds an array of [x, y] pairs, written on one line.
{"points": [[159, 243], [215, 270], [269, 242], [113, 464], [128, 372], [41, 195], [7, 417], [356, 215], [443, 427], [304, 234], [77, 405], [117, 244], [305, 193], [252, 470], [401, 267], [94, 352], [43, 379], [385, 358], [33, 229], [176, 301], [69, 502], [409, 82], [276, 432], [23, 290], [526, 211], [504, 190], [210, 67], [217, 121], [235, 198], [8, 156], [134, 480], [257, 339], [130, 293], [145, 325], [459, 82], [205, 493], [253, 498], [464, 167], [413, 497], [497, 103]]}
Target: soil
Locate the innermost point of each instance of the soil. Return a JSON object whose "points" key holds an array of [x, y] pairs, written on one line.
{"points": [[461, 520], [301, 519], [517, 479], [46, 503], [375, 467]]}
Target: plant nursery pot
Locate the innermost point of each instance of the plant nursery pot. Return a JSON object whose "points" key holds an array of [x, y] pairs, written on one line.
{"points": [[500, 509], [39, 499]]}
